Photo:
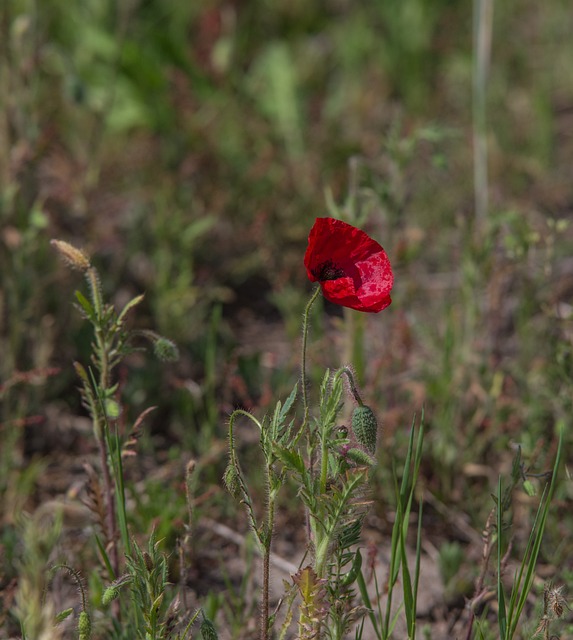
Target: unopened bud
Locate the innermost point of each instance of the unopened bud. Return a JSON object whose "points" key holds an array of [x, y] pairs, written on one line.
{"points": [[84, 626], [111, 593], [166, 350], [232, 482], [208, 631], [365, 427]]}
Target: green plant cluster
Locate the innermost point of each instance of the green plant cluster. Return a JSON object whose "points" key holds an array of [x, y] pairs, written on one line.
{"points": [[187, 146]]}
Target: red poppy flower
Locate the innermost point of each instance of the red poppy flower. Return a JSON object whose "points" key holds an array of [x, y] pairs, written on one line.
{"points": [[353, 269]]}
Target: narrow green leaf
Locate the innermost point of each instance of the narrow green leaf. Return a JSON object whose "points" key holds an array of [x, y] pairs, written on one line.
{"points": [[288, 403], [523, 584], [105, 557], [130, 305], [502, 611], [86, 306]]}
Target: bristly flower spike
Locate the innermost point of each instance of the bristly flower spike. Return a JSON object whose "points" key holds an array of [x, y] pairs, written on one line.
{"points": [[73, 257]]}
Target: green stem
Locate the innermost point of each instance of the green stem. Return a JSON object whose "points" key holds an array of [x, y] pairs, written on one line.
{"points": [[323, 461], [303, 358], [347, 371], [266, 566]]}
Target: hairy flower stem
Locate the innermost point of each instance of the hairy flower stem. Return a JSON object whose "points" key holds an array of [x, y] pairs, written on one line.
{"points": [[101, 427], [347, 371], [266, 569], [303, 356], [110, 507], [303, 426]]}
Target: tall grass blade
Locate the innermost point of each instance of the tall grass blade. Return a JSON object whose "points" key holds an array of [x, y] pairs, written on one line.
{"points": [[502, 612]]}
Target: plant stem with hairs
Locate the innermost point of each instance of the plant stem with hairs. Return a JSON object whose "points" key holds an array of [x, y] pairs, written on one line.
{"points": [[303, 356], [110, 345]]}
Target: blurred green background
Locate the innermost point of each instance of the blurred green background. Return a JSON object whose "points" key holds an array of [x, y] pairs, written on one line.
{"points": [[188, 147]]}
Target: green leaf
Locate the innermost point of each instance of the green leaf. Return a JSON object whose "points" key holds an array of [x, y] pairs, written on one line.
{"points": [[288, 403], [60, 617], [130, 305], [86, 306], [291, 459]]}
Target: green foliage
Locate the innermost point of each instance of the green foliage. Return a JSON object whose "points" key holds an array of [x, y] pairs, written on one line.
{"points": [[190, 144], [383, 619], [332, 489], [510, 610]]}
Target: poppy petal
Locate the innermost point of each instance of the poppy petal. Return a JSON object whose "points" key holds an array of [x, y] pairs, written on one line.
{"points": [[352, 268]]}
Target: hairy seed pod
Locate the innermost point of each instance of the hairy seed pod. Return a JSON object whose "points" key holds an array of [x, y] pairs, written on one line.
{"points": [[208, 631], [360, 457], [111, 593], [365, 427], [232, 482], [84, 626], [166, 350]]}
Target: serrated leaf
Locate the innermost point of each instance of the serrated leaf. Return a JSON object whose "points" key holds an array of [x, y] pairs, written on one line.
{"points": [[307, 582], [291, 459], [288, 403]]}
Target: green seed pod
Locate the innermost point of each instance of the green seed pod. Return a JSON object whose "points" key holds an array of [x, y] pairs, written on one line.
{"points": [[208, 631], [232, 482], [166, 350], [360, 457], [365, 427], [84, 626], [111, 593]]}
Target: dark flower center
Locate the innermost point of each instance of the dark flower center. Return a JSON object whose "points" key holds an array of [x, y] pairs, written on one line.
{"points": [[327, 271]]}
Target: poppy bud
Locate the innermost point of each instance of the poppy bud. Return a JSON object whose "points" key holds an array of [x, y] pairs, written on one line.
{"points": [[365, 427], [111, 593], [208, 631], [232, 481], [360, 457], [166, 350], [84, 626]]}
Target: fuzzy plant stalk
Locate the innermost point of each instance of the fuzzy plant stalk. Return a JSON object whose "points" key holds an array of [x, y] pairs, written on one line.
{"points": [[304, 384], [84, 627], [96, 392], [112, 342], [237, 486]]}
